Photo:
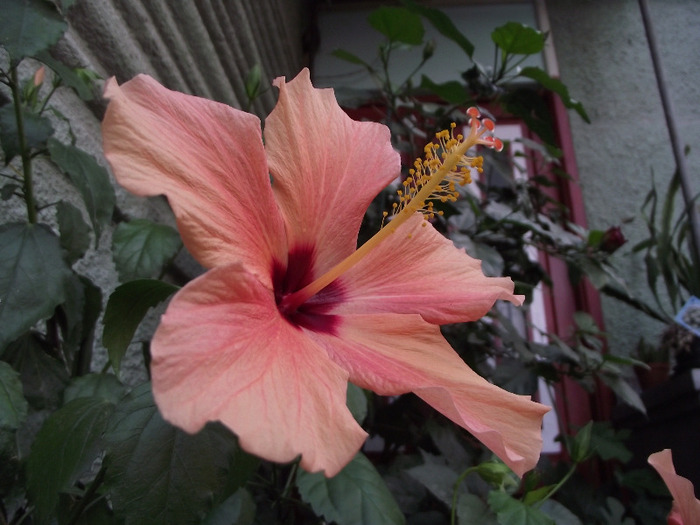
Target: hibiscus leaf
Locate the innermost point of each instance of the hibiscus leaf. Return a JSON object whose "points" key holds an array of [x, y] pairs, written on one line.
{"points": [[439, 479], [398, 25], [37, 130], [79, 314], [96, 386], [238, 508], [13, 406], [557, 86], [140, 248], [443, 23], [32, 278], [452, 91], [511, 511], [43, 377], [157, 474], [518, 39], [125, 310], [350, 57], [357, 402], [75, 233], [81, 80], [90, 179], [29, 26], [472, 509], [357, 495], [559, 513], [65, 447]]}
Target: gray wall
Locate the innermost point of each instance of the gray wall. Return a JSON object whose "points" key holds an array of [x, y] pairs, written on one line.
{"points": [[604, 59]]}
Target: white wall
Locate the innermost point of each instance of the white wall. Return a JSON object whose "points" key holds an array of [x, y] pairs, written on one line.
{"points": [[604, 59]]}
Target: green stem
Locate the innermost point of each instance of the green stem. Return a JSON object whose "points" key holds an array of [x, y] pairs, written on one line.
{"points": [[46, 100], [87, 497], [559, 485], [24, 151], [455, 491], [290, 480]]}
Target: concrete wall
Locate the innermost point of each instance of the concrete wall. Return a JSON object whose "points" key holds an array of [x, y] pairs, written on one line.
{"points": [[202, 47], [604, 59]]}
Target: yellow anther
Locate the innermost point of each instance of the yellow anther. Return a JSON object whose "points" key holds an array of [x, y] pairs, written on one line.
{"points": [[444, 166]]}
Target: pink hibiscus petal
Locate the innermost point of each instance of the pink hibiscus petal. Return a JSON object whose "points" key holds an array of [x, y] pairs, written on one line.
{"points": [[326, 168], [223, 352], [685, 505], [394, 354], [208, 159], [421, 272]]}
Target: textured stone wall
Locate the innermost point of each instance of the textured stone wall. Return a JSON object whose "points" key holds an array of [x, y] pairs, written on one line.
{"points": [[604, 59], [201, 47]]}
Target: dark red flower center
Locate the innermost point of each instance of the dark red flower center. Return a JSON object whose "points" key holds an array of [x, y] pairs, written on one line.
{"points": [[313, 314]]}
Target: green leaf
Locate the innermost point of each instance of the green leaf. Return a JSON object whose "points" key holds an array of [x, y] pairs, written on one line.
{"points": [[350, 57], [29, 26], [91, 180], [609, 444], [43, 377], [443, 23], [510, 511], [398, 25], [449, 441], [491, 259], [125, 310], [82, 81], [141, 248], [97, 512], [357, 402], [66, 4], [96, 386], [37, 130], [252, 82], [438, 479], [624, 391], [472, 510], [515, 376], [238, 508], [452, 92], [32, 278], [9, 190], [559, 513], [65, 447], [80, 312], [614, 513], [580, 448], [538, 494], [357, 495], [157, 474], [497, 473], [518, 39], [75, 233], [530, 106], [557, 86], [13, 406]]}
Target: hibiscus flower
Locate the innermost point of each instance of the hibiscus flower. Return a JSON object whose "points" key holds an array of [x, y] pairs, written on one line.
{"points": [[266, 340], [686, 508]]}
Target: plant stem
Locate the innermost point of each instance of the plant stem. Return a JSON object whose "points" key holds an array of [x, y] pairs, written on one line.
{"points": [[24, 151], [291, 478], [460, 479], [559, 485], [89, 493]]}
